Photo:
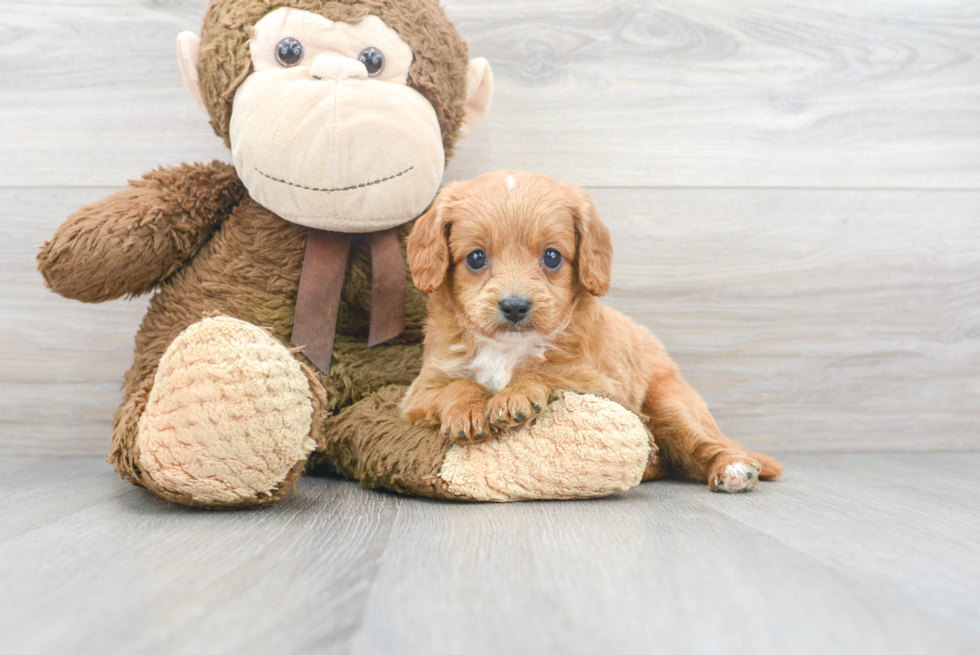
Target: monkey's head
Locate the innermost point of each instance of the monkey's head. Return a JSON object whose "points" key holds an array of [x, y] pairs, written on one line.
{"points": [[340, 115]]}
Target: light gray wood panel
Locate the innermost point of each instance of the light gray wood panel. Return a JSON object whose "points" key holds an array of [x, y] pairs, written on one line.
{"points": [[660, 568], [137, 575], [809, 320], [63, 418], [39, 492], [818, 320], [898, 508], [603, 92], [850, 553], [806, 93], [62, 360]]}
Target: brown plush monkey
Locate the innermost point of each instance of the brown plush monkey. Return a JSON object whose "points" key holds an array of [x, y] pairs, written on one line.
{"points": [[260, 354]]}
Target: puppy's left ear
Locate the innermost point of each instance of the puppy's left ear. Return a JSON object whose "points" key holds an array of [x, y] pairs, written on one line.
{"points": [[428, 244], [595, 251]]}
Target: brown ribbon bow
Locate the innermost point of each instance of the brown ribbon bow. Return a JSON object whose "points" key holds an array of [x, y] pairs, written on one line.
{"points": [[321, 283]]}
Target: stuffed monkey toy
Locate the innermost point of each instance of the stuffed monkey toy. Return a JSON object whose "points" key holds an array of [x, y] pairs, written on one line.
{"points": [[284, 327]]}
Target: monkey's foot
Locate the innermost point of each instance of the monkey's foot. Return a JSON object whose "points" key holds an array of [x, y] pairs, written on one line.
{"points": [[227, 422], [580, 446]]}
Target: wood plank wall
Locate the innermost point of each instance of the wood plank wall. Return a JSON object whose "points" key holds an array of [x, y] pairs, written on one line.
{"points": [[793, 188]]}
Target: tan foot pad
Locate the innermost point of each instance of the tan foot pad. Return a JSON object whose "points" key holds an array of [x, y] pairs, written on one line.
{"points": [[228, 416], [581, 446]]}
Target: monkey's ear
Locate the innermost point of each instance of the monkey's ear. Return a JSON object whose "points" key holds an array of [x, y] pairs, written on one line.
{"points": [[188, 52], [479, 93], [595, 252], [428, 244]]}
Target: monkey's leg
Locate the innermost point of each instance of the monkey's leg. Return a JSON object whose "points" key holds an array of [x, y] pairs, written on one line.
{"points": [[357, 371], [225, 421], [580, 446]]}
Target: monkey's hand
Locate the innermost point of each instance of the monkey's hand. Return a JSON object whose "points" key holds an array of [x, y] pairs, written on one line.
{"points": [[135, 239]]}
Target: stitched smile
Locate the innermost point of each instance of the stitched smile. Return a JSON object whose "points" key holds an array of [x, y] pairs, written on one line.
{"points": [[345, 188]]}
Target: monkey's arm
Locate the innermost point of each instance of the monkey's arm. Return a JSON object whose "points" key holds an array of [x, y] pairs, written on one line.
{"points": [[133, 240]]}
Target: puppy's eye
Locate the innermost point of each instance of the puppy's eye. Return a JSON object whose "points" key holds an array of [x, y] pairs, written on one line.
{"points": [[373, 60], [552, 258], [476, 260], [289, 52]]}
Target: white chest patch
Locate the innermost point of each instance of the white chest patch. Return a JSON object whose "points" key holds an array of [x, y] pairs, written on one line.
{"points": [[495, 360]]}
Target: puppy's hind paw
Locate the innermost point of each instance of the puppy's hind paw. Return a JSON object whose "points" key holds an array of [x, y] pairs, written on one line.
{"points": [[737, 476]]}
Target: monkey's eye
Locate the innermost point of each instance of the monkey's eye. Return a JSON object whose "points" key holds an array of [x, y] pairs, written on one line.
{"points": [[476, 260], [552, 258], [289, 52], [373, 60]]}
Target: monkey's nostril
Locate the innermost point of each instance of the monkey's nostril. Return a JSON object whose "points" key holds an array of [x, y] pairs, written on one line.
{"points": [[515, 309]]}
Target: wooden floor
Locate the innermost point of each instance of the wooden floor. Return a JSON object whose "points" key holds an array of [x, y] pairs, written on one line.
{"points": [[849, 554]]}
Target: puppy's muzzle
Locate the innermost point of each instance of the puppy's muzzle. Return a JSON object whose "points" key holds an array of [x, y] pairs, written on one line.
{"points": [[515, 309]]}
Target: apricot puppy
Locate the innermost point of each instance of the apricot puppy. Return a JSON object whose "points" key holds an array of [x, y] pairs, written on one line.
{"points": [[514, 264]]}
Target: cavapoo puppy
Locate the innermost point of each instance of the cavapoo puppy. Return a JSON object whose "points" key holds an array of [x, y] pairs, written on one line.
{"points": [[514, 264]]}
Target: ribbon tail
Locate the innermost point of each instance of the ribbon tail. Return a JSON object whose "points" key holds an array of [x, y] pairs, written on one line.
{"points": [[318, 300], [388, 287]]}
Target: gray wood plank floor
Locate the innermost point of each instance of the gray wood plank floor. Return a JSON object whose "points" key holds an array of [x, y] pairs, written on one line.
{"points": [[849, 554]]}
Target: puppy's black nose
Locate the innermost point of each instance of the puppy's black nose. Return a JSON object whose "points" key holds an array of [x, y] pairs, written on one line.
{"points": [[515, 309]]}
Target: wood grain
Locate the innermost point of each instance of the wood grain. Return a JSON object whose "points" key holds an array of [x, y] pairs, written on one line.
{"points": [[814, 320], [805, 93], [851, 553], [126, 572], [62, 361], [810, 320], [671, 568]]}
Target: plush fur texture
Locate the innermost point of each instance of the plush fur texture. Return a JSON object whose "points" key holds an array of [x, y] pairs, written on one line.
{"points": [[323, 143], [242, 262], [586, 447], [213, 408], [131, 242], [582, 446], [566, 339], [438, 72], [225, 434]]}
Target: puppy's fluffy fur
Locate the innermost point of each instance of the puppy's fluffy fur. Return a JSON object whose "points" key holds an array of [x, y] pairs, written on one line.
{"points": [[484, 372]]}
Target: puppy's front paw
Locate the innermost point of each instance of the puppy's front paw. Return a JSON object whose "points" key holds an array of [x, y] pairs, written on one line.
{"points": [[734, 475], [466, 423], [512, 408]]}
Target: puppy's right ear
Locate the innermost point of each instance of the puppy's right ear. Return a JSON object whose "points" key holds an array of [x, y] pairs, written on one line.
{"points": [[428, 244]]}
